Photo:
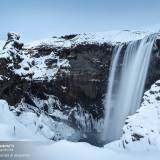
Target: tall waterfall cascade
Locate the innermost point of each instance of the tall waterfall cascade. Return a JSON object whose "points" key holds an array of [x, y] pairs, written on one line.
{"points": [[126, 84]]}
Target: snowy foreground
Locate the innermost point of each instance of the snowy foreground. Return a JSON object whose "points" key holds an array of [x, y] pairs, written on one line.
{"points": [[144, 122], [64, 150]]}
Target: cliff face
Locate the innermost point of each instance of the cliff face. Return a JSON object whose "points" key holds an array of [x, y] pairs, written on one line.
{"points": [[85, 83], [66, 75], [75, 74], [153, 72]]}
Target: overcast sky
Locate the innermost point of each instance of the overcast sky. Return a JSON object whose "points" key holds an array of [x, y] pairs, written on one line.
{"points": [[35, 19]]}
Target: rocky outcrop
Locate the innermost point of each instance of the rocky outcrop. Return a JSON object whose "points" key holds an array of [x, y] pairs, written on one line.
{"points": [[50, 79]]}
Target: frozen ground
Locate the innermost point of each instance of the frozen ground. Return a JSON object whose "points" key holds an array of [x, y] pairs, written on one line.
{"points": [[64, 150]]}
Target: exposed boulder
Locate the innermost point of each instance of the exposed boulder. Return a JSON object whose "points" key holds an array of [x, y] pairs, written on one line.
{"points": [[13, 41]]}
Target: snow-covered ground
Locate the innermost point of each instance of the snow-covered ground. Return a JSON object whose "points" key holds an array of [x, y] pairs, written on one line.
{"points": [[64, 150], [11, 129], [142, 130], [29, 126], [101, 37]]}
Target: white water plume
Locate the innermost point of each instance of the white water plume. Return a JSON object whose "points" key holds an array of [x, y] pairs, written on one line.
{"points": [[126, 84]]}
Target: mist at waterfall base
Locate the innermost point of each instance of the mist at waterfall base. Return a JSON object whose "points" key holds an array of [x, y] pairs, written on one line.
{"points": [[127, 78]]}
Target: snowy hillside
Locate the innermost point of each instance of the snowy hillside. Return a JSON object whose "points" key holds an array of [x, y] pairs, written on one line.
{"points": [[91, 38], [142, 130]]}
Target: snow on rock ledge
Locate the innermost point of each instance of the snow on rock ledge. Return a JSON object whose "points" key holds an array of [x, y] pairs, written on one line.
{"points": [[90, 38], [142, 130], [29, 64]]}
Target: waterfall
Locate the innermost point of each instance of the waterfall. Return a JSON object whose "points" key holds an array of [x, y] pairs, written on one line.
{"points": [[126, 84]]}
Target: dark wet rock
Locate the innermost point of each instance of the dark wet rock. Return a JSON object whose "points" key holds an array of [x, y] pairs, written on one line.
{"points": [[86, 81], [154, 68], [50, 62], [18, 45], [67, 37], [136, 137], [13, 40], [26, 68]]}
